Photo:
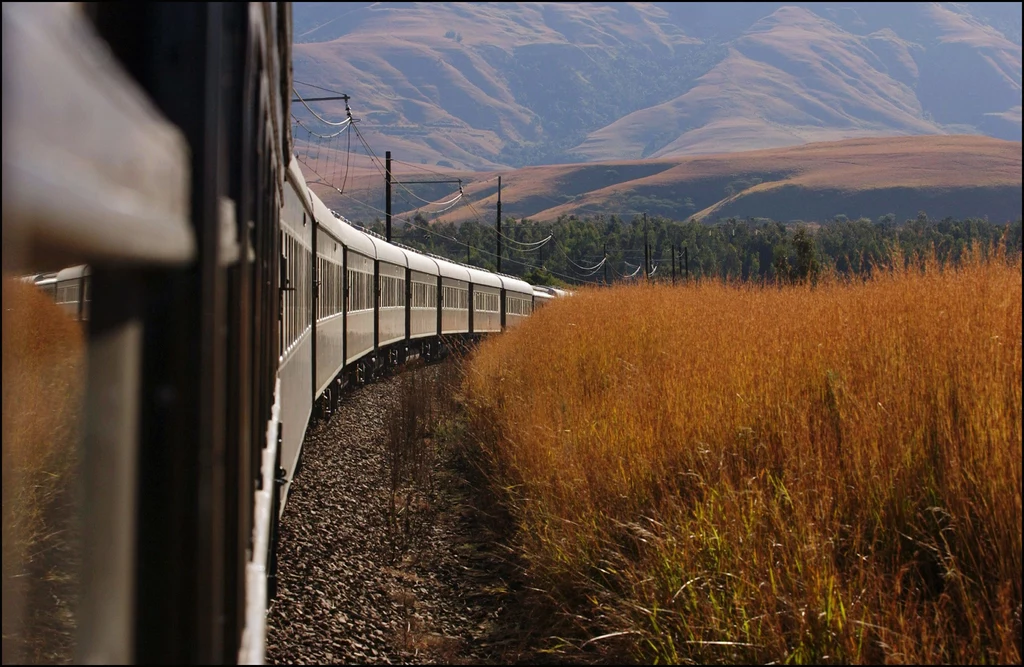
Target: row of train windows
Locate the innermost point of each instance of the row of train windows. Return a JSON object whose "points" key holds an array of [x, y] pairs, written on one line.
{"points": [[297, 304], [517, 306], [67, 293], [360, 291], [486, 302], [424, 295], [331, 294], [455, 297], [392, 292]]}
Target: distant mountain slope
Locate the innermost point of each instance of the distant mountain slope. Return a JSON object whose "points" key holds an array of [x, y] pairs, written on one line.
{"points": [[959, 176], [488, 85]]}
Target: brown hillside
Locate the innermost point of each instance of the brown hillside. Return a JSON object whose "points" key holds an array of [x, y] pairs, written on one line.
{"points": [[487, 86], [943, 175]]}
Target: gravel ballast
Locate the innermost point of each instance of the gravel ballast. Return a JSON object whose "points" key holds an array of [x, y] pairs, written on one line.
{"points": [[433, 589]]}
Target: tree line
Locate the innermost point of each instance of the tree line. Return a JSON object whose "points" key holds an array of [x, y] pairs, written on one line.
{"points": [[756, 249]]}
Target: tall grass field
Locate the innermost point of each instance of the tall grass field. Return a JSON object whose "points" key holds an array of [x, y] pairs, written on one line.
{"points": [[738, 473], [43, 377]]}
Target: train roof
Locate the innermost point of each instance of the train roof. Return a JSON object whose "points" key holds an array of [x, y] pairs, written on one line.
{"points": [[451, 270], [352, 238], [515, 284], [542, 293], [486, 278], [299, 181], [419, 262], [73, 272], [387, 252]]}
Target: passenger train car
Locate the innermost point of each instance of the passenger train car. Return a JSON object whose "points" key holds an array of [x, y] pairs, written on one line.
{"points": [[147, 145], [354, 306]]}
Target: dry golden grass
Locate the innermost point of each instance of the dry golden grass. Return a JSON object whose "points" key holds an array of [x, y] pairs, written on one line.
{"points": [[43, 361], [732, 473]]}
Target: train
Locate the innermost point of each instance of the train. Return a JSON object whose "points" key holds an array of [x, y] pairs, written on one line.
{"points": [[150, 187], [69, 289]]}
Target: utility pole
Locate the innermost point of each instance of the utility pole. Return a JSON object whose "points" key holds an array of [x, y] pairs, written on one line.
{"points": [[686, 254], [499, 224], [647, 252], [467, 252], [606, 263], [387, 196], [673, 264], [387, 184]]}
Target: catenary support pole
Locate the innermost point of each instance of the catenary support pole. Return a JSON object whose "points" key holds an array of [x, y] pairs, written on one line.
{"points": [[387, 195]]}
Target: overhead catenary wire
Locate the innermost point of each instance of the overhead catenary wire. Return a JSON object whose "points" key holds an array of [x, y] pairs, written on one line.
{"points": [[632, 275], [404, 187], [584, 271], [527, 246], [326, 90], [569, 259], [347, 123], [449, 238], [596, 269], [450, 203], [318, 116]]}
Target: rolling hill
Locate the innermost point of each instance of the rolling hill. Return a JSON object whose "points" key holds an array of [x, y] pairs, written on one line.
{"points": [[958, 176]]}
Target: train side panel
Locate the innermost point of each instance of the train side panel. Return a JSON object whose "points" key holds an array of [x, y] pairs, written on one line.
{"points": [[391, 316], [296, 359], [423, 310], [359, 324], [518, 302], [486, 309], [330, 304], [454, 306]]}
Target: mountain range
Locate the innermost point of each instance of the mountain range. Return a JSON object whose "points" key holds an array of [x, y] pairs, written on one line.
{"points": [[488, 86]]}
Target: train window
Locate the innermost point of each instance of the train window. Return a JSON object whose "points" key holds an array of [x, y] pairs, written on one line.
{"points": [[455, 298], [360, 290], [486, 302], [517, 306], [424, 295], [291, 294], [307, 295], [286, 314], [392, 292]]}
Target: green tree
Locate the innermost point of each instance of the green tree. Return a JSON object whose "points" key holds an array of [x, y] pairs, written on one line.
{"points": [[807, 265]]}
